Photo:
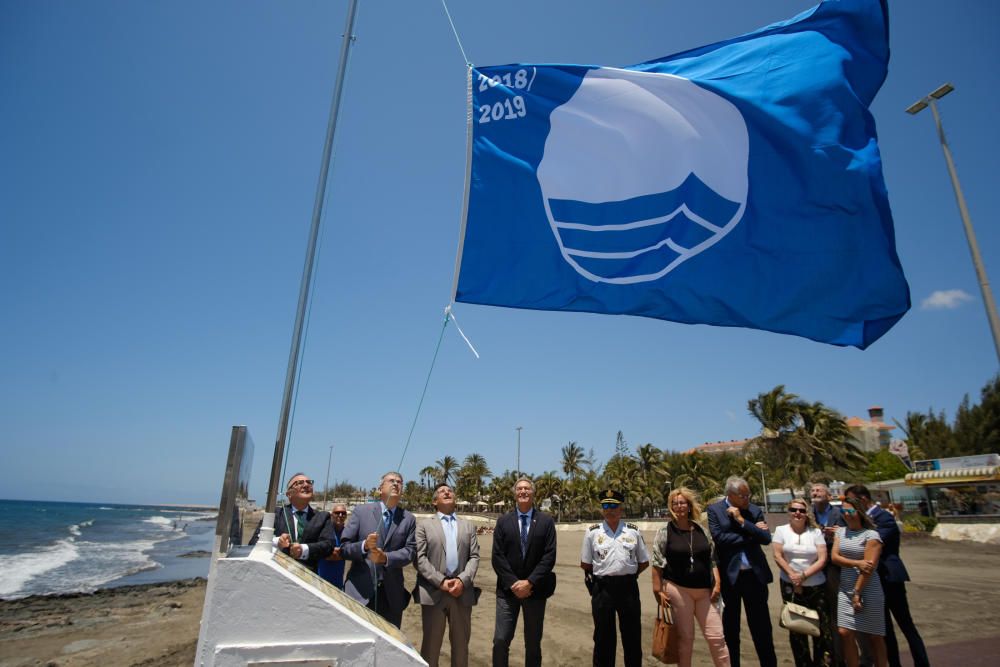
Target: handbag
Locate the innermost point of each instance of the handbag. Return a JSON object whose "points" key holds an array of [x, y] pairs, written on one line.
{"points": [[665, 638], [800, 619]]}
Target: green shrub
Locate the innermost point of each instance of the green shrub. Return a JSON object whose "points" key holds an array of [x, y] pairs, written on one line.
{"points": [[919, 524]]}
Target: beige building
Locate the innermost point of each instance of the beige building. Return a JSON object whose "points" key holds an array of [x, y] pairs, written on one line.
{"points": [[872, 434]]}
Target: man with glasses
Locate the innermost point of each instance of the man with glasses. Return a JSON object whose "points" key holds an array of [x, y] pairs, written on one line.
{"points": [[614, 554], [332, 567], [380, 540], [739, 529], [524, 553], [298, 527]]}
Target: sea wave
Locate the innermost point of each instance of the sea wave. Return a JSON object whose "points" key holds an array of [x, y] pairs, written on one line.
{"points": [[75, 530], [17, 570], [160, 521], [84, 524]]}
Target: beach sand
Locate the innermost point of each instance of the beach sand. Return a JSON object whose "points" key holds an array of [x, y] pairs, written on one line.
{"points": [[953, 598]]}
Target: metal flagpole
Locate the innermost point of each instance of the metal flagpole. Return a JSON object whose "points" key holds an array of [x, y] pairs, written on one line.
{"points": [[293, 356]]}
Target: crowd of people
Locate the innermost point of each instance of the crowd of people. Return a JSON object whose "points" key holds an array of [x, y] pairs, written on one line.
{"points": [[841, 562]]}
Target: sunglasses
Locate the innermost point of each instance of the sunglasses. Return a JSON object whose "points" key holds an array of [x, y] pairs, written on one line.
{"points": [[339, 513], [797, 510], [609, 506], [849, 511]]}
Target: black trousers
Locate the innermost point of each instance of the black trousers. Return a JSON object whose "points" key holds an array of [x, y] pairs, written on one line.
{"points": [[813, 597], [508, 607], [753, 594], [619, 596], [899, 608]]}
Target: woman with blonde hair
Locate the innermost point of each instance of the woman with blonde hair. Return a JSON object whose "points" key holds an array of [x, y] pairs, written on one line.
{"points": [[800, 554], [686, 576]]}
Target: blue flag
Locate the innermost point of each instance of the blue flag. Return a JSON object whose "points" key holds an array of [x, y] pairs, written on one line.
{"points": [[737, 184]]}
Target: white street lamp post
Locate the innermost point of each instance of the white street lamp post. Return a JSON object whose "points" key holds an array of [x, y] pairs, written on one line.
{"points": [[970, 235], [762, 483]]}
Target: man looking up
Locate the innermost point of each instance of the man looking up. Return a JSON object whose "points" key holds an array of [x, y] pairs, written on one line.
{"points": [[739, 530], [893, 576], [447, 562], [379, 540], [828, 519], [298, 527], [524, 553], [332, 567], [614, 552]]}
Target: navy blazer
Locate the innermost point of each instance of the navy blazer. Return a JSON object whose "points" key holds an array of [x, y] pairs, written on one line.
{"points": [[833, 518], [399, 544], [314, 534], [731, 540], [890, 565], [539, 558]]}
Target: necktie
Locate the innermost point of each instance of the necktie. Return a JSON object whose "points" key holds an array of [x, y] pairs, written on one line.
{"points": [[301, 515], [524, 534], [451, 545], [386, 518]]}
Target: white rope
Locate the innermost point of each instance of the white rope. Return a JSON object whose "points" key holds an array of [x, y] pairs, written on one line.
{"points": [[448, 313]]}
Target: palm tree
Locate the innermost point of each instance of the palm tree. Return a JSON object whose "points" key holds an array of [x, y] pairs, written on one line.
{"points": [[428, 474], [573, 460], [446, 469], [472, 472]]}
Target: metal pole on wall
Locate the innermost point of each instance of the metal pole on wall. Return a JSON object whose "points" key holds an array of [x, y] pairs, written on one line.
{"points": [[970, 234], [326, 487], [300, 315], [518, 462]]}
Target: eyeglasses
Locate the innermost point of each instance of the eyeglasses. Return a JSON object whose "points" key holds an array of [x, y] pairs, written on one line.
{"points": [[849, 511], [339, 513], [609, 506], [303, 482], [743, 495], [797, 510]]}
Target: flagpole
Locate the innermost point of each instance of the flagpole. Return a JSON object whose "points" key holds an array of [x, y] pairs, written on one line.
{"points": [[293, 356]]}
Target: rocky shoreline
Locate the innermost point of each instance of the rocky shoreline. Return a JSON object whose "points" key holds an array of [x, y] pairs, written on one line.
{"points": [[154, 625]]}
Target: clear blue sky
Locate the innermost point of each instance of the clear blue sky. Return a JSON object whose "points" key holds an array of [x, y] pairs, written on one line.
{"points": [[158, 162]]}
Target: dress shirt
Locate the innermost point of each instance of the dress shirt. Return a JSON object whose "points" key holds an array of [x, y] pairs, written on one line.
{"points": [[744, 562], [450, 526]]}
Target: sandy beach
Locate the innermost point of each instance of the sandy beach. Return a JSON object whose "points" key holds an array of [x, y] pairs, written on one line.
{"points": [[953, 597]]}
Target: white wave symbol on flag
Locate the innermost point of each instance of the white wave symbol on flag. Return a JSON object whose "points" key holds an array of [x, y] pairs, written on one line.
{"points": [[641, 172], [644, 237]]}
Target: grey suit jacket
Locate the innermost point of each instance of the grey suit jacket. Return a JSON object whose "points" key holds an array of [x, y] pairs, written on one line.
{"points": [[399, 546], [431, 567]]}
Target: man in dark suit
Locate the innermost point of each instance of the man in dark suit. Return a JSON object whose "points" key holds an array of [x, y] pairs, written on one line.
{"points": [[893, 576], [379, 540], [447, 562], [298, 528], [739, 530], [524, 553], [828, 519]]}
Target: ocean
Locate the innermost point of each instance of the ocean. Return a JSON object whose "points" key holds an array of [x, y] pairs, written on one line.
{"points": [[48, 547]]}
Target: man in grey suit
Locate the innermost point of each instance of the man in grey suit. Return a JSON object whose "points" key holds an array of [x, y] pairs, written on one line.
{"points": [[379, 540], [447, 561]]}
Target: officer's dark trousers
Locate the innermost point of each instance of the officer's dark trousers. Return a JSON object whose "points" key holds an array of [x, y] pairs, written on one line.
{"points": [[616, 595], [753, 593]]}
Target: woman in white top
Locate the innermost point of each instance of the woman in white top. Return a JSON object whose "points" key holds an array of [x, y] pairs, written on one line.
{"points": [[800, 553]]}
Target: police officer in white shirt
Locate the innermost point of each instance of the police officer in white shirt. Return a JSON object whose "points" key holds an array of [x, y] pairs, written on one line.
{"points": [[613, 555]]}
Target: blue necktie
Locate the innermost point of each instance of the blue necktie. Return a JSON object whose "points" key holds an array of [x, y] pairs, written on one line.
{"points": [[387, 517], [524, 534], [451, 546]]}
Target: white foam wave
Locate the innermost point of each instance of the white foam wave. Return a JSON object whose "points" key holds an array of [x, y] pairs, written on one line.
{"points": [[75, 530], [109, 509], [84, 524], [160, 521], [18, 570]]}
